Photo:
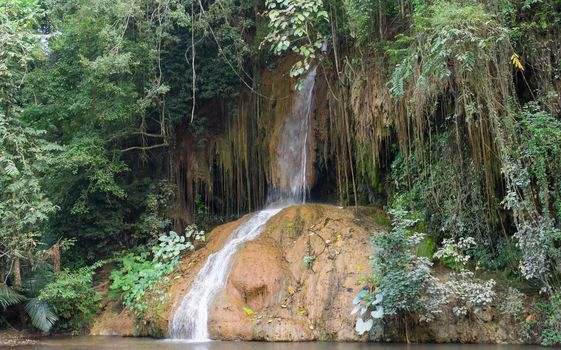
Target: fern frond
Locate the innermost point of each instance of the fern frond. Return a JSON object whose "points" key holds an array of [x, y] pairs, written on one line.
{"points": [[41, 314], [10, 168], [9, 297]]}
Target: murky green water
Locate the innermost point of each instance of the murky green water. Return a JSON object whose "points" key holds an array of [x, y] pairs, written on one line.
{"points": [[118, 343]]}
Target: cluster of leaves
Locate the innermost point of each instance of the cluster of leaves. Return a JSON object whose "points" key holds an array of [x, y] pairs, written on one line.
{"points": [[25, 155], [63, 301], [142, 277], [448, 196], [158, 200], [370, 19], [296, 25]]}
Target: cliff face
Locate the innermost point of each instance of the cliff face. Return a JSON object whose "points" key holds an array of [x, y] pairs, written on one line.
{"points": [[228, 156]]}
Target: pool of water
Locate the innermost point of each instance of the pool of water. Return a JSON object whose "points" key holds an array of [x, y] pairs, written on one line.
{"points": [[118, 343]]}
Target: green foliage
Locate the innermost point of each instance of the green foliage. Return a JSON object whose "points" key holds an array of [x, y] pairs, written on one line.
{"points": [[402, 276], [362, 14], [448, 197], [115, 82], [403, 282], [9, 297], [295, 25], [157, 201], [462, 33], [532, 168], [463, 48], [72, 299], [41, 314], [140, 278], [368, 21], [551, 332], [136, 276], [309, 260], [511, 305], [426, 248], [453, 254], [25, 155]]}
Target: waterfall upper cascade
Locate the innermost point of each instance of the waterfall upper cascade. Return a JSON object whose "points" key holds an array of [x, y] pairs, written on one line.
{"points": [[191, 317]]}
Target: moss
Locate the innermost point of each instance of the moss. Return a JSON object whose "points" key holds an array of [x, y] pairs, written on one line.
{"points": [[426, 248]]}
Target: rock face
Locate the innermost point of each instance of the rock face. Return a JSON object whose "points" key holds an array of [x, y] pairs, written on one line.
{"points": [[296, 282], [114, 321], [276, 292]]}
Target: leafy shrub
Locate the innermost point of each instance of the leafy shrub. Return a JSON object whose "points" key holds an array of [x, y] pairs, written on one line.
{"points": [[403, 280], [152, 221], [512, 304], [470, 294], [403, 284], [72, 299], [141, 278], [309, 260], [453, 254], [296, 25], [533, 170], [551, 331]]}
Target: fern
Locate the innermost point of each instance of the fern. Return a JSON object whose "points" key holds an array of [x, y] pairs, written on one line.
{"points": [[11, 168], [41, 314], [9, 297]]}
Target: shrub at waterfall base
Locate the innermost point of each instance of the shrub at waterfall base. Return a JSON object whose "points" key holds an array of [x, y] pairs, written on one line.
{"points": [[551, 332], [404, 287], [144, 275]]}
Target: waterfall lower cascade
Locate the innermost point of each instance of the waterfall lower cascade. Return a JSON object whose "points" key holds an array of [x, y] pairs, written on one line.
{"points": [[190, 320]]}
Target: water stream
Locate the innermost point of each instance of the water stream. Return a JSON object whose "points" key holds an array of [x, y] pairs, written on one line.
{"points": [[190, 319]]}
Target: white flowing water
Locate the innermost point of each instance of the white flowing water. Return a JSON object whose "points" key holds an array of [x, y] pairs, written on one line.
{"points": [[290, 184], [190, 320]]}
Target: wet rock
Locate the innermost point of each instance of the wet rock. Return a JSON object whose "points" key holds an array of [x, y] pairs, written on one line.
{"points": [[265, 271]]}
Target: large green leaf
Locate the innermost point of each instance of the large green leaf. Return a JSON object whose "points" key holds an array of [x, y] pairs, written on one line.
{"points": [[9, 297], [41, 314]]}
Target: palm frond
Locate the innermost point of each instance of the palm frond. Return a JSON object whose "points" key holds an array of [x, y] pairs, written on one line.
{"points": [[9, 297], [41, 314]]}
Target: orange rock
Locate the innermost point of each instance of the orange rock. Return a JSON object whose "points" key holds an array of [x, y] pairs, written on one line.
{"points": [[264, 272]]}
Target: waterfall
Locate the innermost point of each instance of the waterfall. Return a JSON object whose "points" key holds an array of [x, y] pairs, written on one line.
{"points": [[190, 320], [290, 185]]}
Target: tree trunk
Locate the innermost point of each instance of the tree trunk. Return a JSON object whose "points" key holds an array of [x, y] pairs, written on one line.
{"points": [[55, 252], [17, 273]]}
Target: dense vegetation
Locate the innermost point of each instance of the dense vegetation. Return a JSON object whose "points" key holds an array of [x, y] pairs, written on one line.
{"points": [[446, 113]]}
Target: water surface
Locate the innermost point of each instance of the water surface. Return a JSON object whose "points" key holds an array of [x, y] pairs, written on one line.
{"points": [[119, 343]]}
